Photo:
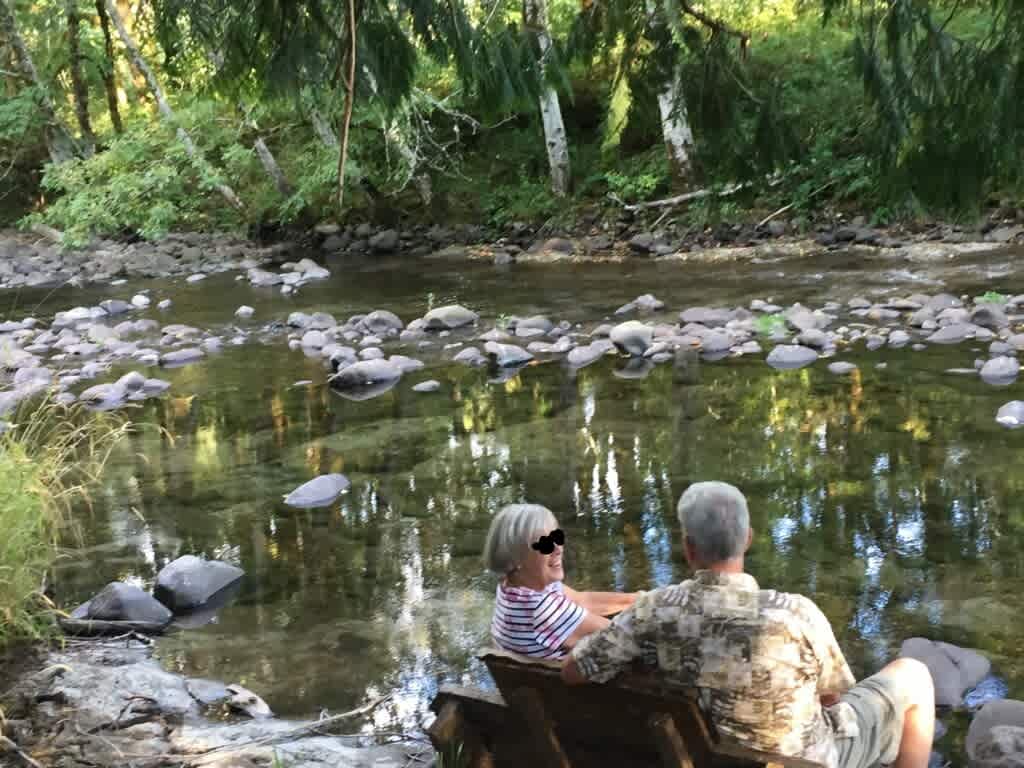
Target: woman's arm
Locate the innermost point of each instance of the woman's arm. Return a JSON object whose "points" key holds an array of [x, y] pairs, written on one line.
{"points": [[591, 623], [601, 603]]}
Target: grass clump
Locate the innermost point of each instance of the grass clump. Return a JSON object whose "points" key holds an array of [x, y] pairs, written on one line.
{"points": [[49, 459]]}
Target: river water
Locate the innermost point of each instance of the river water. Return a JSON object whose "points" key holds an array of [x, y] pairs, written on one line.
{"points": [[892, 497]]}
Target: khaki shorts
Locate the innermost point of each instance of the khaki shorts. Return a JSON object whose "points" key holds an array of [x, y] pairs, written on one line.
{"points": [[870, 725]]}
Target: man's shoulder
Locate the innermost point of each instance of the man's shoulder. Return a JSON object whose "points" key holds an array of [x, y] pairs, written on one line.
{"points": [[792, 606]]}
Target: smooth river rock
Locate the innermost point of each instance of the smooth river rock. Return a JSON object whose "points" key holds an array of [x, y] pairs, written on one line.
{"points": [[507, 355], [321, 491], [980, 740], [124, 602], [191, 582], [632, 337], [448, 318], [787, 356], [841, 368], [432, 385], [366, 373], [1011, 414], [954, 670], [1000, 370], [181, 357]]}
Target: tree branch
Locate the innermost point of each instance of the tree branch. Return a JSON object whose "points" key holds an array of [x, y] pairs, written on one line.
{"points": [[715, 24], [729, 189]]}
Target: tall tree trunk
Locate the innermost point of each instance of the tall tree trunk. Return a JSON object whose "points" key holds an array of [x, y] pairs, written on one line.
{"points": [[323, 128], [270, 165], [78, 86], [109, 78], [58, 141], [350, 92], [675, 127], [165, 108], [535, 16]]}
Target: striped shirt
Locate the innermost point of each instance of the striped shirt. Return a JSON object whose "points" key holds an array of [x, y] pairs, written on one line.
{"points": [[534, 623]]}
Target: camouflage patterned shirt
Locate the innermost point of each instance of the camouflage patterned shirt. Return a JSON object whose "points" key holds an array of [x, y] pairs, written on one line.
{"points": [[759, 658]]}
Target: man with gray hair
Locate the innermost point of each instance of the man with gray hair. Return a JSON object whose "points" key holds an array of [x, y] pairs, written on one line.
{"points": [[767, 666]]}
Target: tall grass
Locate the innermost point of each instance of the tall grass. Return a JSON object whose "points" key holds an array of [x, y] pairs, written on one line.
{"points": [[50, 457]]}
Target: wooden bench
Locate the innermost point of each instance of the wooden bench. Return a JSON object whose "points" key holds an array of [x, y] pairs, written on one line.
{"points": [[536, 721]]}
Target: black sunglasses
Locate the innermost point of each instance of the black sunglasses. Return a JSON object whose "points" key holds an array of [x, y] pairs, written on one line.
{"points": [[546, 544]]}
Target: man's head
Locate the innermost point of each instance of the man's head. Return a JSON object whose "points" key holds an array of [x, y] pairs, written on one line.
{"points": [[716, 523]]}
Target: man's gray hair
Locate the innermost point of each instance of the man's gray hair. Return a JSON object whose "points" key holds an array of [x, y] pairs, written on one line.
{"points": [[511, 533], [715, 519]]}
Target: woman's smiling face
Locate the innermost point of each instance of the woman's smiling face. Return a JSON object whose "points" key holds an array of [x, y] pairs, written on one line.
{"points": [[538, 570]]}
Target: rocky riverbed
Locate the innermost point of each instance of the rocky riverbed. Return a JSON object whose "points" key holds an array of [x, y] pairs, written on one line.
{"points": [[109, 703]]}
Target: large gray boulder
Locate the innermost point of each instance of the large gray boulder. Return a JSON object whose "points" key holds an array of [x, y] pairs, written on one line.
{"points": [[321, 491], [1005, 713], [632, 337], [1002, 746], [952, 334], [124, 602], [989, 315], [449, 317], [954, 670], [190, 582], [787, 356]]}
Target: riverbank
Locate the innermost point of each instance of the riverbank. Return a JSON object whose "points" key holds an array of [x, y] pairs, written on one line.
{"points": [[36, 259]]}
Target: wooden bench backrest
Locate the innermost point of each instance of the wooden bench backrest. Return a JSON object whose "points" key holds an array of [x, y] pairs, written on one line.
{"points": [[618, 715]]}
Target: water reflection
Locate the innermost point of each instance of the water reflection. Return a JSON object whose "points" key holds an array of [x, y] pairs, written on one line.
{"points": [[889, 496]]}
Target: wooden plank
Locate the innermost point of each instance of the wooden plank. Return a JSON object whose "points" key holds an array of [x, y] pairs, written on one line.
{"points": [[539, 729], [674, 753]]}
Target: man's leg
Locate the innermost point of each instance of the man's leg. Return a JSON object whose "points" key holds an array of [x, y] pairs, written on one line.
{"points": [[915, 682]]}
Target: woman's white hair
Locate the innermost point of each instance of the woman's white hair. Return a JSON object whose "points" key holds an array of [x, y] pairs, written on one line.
{"points": [[511, 533]]}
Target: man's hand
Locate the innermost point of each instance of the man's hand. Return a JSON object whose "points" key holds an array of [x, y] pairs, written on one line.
{"points": [[828, 699], [571, 674]]}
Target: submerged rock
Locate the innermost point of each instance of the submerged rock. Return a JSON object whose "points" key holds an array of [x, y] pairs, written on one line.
{"points": [[191, 582], [181, 357], [321, 491]]}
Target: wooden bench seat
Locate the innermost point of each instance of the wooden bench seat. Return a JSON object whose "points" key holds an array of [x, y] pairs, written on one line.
{"points": [[536, 721]]}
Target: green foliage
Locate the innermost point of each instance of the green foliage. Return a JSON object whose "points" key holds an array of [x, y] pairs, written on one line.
{"points": [[993, 297], [766, 325], [528, 200]]}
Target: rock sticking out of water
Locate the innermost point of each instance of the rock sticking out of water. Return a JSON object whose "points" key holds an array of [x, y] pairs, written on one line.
{"points": [[427, 386], [190, 583], [507, 355], [1011, 414], [1000, 371], [245, 701], [788, 356], [321, 491], [449, 317], [632, 337], [841, 368], [120, 602], [954, 670]]}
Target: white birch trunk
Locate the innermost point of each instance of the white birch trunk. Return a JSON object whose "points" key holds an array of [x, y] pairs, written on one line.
{"points": [[158, 94], [675, 126], [273, 170], [536, 17], [323, 129], [58, 140]]}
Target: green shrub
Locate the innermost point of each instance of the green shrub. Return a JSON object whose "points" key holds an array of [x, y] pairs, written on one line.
{"points": [[49, 458]]}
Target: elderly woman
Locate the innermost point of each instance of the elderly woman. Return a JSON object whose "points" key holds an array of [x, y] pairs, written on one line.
{"points": [[534, 613]]}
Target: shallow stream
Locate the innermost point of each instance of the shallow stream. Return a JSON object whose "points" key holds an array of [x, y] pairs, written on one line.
{"points": [[891, 497]]}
